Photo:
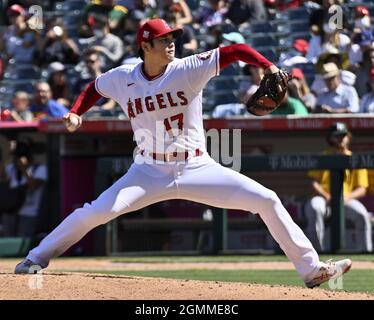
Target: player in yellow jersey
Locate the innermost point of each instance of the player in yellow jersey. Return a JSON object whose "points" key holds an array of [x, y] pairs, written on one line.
{"points": [[355, 187]]}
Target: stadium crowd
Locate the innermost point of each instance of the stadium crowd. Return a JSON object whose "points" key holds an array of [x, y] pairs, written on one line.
{"points": [[47, 57]]}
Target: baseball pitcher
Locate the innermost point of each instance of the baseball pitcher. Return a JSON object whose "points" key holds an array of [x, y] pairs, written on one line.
{"points": [[162, 97]]}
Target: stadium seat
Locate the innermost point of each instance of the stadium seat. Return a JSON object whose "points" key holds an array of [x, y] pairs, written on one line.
{"points": [[22, 72], [263, 27], [264, 41], [71, 20], [301, 13], [12, 86], [297, 26], [5, 99], [73, 32], [270, 54], [222, 89], [299, 35], [70, 6]]}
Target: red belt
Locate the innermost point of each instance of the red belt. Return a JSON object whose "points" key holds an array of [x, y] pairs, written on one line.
{"points": [[173, 156]]}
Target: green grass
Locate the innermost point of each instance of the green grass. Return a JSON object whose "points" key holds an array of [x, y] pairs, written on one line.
{"points": [[244, 258], [221, 258], [356, 280]]}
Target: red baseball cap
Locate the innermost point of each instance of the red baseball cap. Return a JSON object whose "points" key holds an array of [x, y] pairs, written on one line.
{"points": [[371, 74], [16, 8], [155, 28], [361, 11], [297, 73], [301, 45]]}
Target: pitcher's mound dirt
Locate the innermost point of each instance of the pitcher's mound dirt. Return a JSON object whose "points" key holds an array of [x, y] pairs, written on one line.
{"points": [[81, 286]]}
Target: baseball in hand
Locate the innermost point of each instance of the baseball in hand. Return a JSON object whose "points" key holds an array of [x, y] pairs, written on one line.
{"points": [[72, 124]]}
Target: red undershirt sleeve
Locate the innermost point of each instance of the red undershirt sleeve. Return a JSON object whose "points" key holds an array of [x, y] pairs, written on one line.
{"points": [[86, 99], [241, 52]]}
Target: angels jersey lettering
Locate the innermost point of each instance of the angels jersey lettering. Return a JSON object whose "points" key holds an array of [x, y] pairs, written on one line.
{"points": [[169, 106]]}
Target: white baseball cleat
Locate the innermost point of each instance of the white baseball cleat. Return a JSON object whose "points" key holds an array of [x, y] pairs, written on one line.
{"points": [[27, 267], [329, 270]]}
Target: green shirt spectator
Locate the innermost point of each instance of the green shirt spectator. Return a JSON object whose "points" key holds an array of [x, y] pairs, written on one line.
{"points": [[291, 106], [115, 13]]}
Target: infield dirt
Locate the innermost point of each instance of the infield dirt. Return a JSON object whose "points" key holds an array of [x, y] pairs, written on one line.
{"points": [[57, 284]]}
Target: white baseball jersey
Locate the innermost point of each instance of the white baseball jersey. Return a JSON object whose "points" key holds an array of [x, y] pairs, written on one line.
{"points": [[166, 112]]}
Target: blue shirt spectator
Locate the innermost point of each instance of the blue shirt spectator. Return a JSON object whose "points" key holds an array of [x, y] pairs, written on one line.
{"points": [[43, 106]]}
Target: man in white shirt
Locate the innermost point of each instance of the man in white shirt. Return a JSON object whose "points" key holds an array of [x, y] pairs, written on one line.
{"points": [[339, 97]]}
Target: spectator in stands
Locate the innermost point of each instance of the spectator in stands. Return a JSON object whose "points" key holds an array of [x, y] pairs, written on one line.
{"points": [[93, 69], [108, 45], [212, 15], [29, 176], [355, 186], [232, 38], [132, 57], [362, 20], [341, 60], [19, 42], [133, 22], [180, 8], [362, 41], [44, 106], [58, 46], [289, 106], [147, 7], [294, 55], [59, 84], [367, 101], [362, 72], [331, 37], [241, 12], [298, 88], [248, 88], [229, 110], [116, 15], [321, 14], [20, 107], [186, 44], [245, 89], [340, 98]]}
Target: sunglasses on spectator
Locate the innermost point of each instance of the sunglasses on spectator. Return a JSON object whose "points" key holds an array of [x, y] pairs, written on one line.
{"points": [[91, 61]]}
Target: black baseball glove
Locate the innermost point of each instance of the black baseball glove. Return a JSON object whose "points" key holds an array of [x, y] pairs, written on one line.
{"points": [[270, 93]]}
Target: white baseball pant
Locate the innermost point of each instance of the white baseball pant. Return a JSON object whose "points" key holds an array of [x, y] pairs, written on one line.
{"points": [[199, 179]]}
